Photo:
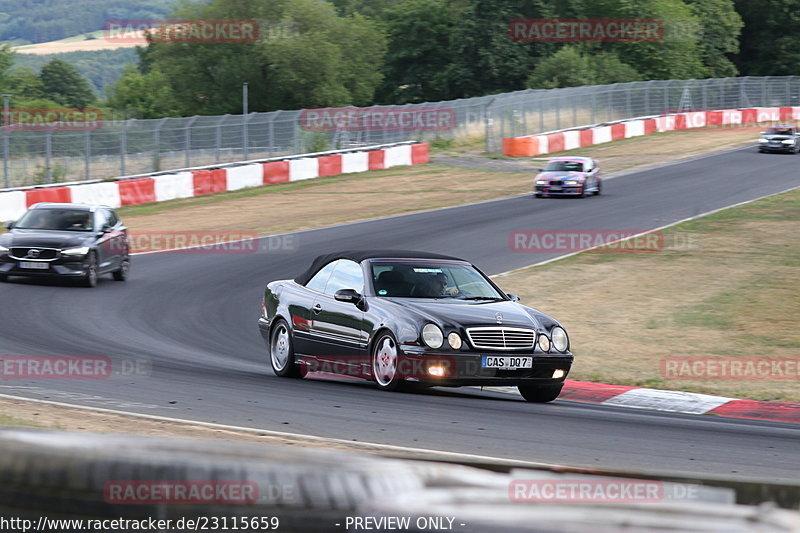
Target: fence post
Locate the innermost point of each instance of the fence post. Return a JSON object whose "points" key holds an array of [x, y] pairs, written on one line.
{"points": [[48, 155], [247, 138], [271, 131], [487, 119], [157, 145], [187, 144], [219, 137], [6, 153], [123, 147], [87, 152]]}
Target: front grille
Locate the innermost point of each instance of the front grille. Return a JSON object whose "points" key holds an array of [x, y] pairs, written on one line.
{"points": [[495, 338], [44, 253], [555, 183]]}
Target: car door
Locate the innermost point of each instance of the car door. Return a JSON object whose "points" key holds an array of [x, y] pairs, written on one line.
{"points": [[118, 238], [339, 330], [300, 311], [104, 244]]}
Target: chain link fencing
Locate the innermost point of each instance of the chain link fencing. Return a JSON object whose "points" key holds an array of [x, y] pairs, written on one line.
{"points": [[132, 147]]}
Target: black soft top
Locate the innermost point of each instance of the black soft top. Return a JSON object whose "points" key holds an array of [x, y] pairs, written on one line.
{"points": [[361, 255]]}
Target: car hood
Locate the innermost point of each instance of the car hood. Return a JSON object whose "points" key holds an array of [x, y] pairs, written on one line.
{"points": [[45, 238], [560, 175], [466, 313]]}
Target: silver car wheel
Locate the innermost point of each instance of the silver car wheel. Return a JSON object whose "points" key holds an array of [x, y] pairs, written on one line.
{"points": [[280, 348], [384, 363]]}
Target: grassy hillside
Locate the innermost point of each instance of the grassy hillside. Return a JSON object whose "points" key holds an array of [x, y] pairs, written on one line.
{"points": [[102, 67], [38, 21]]}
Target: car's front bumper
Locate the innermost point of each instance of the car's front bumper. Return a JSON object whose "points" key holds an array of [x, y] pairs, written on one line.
{"points": [[550, 190], [66, 267], [462, 368], [776, 148]]}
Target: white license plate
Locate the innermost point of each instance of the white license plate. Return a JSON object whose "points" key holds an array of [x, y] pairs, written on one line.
{"points": [[506, 362], [33, 265]]}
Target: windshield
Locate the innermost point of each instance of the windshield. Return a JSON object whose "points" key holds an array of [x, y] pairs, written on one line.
{"points": [[56, 219], [564, 166], [780, 131], [431, 280]]}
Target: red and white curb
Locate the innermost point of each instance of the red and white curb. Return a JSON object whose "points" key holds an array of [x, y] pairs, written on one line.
{"points": [[674, 401]]}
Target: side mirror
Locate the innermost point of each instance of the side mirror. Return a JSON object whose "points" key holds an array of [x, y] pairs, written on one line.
{"points": [[513, 297], [348, 295], [9, 224]]}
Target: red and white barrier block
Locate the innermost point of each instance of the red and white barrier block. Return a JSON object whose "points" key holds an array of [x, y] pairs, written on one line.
{"points": [[679, 402], [548, 143], [190, 183]]}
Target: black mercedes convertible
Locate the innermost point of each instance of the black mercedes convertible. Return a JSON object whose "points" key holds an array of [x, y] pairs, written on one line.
{"points": [[399, 317]]}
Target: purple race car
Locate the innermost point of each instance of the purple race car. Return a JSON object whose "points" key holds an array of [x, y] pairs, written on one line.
{"points": [[569, 176]]}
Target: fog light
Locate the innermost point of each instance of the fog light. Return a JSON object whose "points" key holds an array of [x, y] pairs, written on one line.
{"points": [[558, 373], [437, 371]]}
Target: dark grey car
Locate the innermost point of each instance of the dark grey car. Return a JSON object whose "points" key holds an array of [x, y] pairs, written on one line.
{"points": [[66, 240]]}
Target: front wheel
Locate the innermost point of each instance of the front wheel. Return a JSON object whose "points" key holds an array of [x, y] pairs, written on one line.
{"points": [[281, 351], [3, 277], [385, 363], [598, 188], [90, 278], [540, 393], [123, 272]]}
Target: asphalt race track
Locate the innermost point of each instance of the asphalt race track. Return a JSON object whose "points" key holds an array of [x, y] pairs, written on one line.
{"points": [[193, 316]]}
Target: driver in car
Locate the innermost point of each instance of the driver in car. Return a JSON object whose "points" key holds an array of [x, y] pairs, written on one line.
{"points": [[439, 285]]}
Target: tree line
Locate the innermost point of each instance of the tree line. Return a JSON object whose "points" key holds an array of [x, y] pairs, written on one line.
{"points": [[366, 52]]}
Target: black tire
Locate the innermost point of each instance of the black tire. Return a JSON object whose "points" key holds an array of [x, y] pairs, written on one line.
{"points": [[90, 278], [540, 393], [599, 188], [281, 351], [537, 195], [3, 277], [384, 373], [123, 272]]}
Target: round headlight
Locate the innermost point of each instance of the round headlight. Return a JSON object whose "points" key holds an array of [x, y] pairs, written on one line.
{"points": [[454, 340], [544, 343], [432, 336], [560, 340], [763, 140]]}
